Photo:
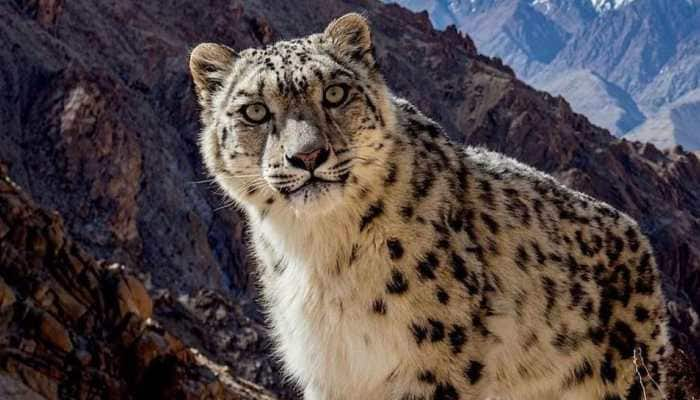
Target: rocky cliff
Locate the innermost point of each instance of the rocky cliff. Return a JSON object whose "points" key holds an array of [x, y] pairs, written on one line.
{"points": [[72, 327], [100, 123]]}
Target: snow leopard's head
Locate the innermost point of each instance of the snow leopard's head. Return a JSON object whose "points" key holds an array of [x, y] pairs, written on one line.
{"points": [[299, 125]]}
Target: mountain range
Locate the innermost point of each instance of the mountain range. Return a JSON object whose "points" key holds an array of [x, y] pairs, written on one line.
{"points": [[628, 65]]}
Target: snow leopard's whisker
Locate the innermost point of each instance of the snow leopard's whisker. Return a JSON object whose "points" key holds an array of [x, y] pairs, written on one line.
{"points": [[364, 158], [210, 180], [283, 181], [244, 176], [341, 164], [254, 185], [220, 191], [249, 190], [367, 161], [284, 187], [360, 146], [225, 206]]}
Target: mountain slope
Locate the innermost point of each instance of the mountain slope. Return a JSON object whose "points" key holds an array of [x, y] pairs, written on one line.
{"points": [[570, 15], [679, 76], [675, 124], [604, 103]]}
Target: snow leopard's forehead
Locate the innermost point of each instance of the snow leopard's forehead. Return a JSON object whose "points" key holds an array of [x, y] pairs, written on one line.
{"points": [[288, 63], [292, 70]]}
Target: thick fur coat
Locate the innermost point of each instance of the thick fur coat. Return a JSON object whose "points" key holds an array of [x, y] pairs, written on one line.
{"points": [[397, 265]]}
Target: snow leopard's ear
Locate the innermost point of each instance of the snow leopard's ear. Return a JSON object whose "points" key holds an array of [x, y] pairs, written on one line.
{"points": [[351, 38], [209, 65]]}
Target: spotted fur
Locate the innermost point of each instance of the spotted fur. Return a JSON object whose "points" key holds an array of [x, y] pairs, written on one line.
{"points": [[407, 267]]}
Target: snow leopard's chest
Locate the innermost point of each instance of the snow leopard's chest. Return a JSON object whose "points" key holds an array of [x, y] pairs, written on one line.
{"points": [[333, 333]]}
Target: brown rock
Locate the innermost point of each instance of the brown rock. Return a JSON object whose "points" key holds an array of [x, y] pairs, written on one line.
{"points": [[53, 332], [262, 30], [34, 379], [43, 295], [133, 298], [46, 12], [49, 11], [175, 346], [68, 304], [7, 297], [149, 347], [4, 229], [12, 389], [7, 302]]}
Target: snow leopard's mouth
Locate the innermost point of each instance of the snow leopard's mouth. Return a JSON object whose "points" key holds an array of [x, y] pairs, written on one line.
{"points": [[314, 185]]}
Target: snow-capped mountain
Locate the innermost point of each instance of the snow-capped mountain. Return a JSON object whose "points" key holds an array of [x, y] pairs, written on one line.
{"points": [[599, 5], [607, 5], [636, 57]]}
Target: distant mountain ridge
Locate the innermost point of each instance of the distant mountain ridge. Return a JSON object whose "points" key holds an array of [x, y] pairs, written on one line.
{"points": [[649, 49], [673, 124], [605, 103]]}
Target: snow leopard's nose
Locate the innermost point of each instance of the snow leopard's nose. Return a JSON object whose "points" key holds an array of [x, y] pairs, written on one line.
{"points": [[309, 160]]}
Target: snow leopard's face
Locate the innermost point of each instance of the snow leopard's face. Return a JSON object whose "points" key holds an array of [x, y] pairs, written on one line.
{"points": [[300, 123]]}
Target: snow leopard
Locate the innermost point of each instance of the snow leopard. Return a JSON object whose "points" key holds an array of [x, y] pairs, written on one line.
{"points": [[397, 264]]}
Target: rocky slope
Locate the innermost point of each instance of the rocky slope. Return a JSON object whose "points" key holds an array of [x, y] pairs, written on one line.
{"points": [[604, 103], [100, 123], [72, 327], [674, 124]]}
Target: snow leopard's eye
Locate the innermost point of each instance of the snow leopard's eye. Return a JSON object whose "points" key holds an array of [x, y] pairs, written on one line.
{"points": [[255, 113], [335, 95]]}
